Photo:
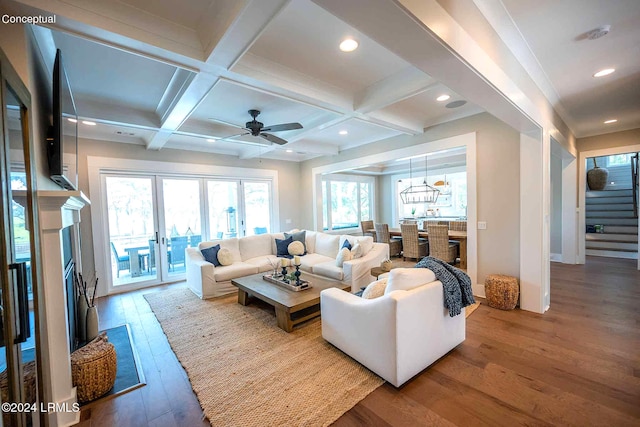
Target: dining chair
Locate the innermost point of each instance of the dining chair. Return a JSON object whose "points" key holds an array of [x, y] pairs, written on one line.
{"points": [[382, 236], [439, 245], [123, 261], [412, 245], [427, 222], [458, 225], [366, 227]]}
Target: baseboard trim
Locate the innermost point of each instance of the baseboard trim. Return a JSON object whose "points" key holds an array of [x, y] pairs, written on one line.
{"points": [[555, 257]]}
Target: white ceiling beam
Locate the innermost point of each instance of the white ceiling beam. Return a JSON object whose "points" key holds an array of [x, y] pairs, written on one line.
{"points": [[116, 115], [393, 122], [395, 88]]}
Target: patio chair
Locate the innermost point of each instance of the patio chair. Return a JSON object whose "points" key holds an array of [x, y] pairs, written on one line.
{"points": [[195, 240], [259, 230], [412, 245], [178, 246], [382, 236], [123, 261]]}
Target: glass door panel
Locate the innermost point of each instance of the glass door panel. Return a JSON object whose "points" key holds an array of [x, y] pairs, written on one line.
{"points": [[182, 220], [224, 220], [257, 202], [132, 230]]}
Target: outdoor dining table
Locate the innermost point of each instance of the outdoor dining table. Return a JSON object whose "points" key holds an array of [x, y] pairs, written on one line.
{"points": [[458, 236], [134, 260]]}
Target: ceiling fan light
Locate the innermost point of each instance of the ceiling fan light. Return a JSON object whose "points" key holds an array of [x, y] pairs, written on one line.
{"points": [[348, 45]]}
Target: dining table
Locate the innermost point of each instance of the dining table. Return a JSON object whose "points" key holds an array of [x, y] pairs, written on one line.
{"points": [[458, 236], [135, 259]]}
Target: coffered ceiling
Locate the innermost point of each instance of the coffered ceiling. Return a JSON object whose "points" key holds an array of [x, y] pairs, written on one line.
{"points": [[162, 75]]}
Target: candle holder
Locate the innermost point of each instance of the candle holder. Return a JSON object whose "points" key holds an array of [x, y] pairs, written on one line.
{"points": [[284, 271], [297, 274]]}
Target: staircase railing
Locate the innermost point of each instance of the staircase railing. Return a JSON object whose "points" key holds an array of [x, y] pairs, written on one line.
{"points": [[634, 183]]}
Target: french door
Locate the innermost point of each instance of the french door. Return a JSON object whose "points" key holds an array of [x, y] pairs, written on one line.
{"points": [[152, 219]]}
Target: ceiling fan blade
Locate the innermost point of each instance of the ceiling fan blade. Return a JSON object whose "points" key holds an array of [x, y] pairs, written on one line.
{"points": [[233, 136], [282, 127], [273, 138]]}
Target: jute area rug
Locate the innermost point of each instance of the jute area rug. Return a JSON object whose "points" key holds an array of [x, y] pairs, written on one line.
{"points": [[248, 372]]}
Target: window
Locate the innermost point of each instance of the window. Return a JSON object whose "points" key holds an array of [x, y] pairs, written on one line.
{"points": [[619, 159], [346, 200], [452, 201]]}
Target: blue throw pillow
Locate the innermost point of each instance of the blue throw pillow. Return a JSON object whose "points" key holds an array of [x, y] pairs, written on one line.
{"points": [[346, 244], [283, 247], [299, 236], [211, 255]]}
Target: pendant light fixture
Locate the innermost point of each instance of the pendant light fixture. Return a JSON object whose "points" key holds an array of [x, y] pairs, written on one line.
{"points": [[417, 194]]}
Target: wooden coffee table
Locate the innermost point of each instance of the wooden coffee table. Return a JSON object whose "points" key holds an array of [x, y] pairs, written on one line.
{"points": [[291, 307]]}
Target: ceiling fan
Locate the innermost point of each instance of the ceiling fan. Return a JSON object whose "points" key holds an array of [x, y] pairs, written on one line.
{"points": [[257, 128]]}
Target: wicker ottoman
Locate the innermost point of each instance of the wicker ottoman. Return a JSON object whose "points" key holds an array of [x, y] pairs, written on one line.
{"points": [[501, 291], [93, 369]]}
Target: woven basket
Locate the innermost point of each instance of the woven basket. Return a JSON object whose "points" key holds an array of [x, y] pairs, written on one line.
{"points": [[29, 375], [597, 178], [93, 368], [501, 291]]}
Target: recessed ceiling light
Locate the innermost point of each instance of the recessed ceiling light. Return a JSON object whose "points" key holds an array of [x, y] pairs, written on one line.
{"points": [[343, 132], [73, 120], [610, 121], [604, 72], [211, 140], [348, 45], [442, 98], [289, 151], [88, 123]]}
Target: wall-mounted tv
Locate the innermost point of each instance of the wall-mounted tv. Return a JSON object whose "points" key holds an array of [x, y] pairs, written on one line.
{"points": [[63, 137]]}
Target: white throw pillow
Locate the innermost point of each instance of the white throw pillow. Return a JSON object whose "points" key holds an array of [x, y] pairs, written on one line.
{"points": [[343, 255], [375, 289], [225, 257], [366, 242], [408, 278], [296, 248], [356, 251]]}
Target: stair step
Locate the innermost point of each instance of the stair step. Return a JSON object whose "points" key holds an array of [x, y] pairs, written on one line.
{"points": [[611, 193], [612, 221], [608, 237], [612, 254], [600, 207], [621, 229], [612, 246], [607, 200], [610, 214]]}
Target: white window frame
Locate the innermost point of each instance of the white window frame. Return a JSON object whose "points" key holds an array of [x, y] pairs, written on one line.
{"points": [[360, 179]]}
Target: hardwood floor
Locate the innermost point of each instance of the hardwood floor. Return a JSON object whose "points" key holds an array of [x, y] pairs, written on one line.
{"points": [[578, 364]]}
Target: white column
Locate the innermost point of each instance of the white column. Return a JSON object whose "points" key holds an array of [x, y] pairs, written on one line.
{"points": [[57, 210]]}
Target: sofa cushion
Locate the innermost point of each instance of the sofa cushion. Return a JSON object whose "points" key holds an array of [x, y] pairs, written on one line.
{"points": [[408, 278], [328, 269], [274, 236], [298, 236], [225, 257], [211, 255], [237, 269], [263, 264], [309, 260], [254, 246], [311, 241], [346, 244], [327, 245], [283, 247], [356, 251], [375, 289], [365, 241], [344, 254]]}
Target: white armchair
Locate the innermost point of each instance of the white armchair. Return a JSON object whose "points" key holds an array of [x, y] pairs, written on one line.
{"points": [[396, 335]]}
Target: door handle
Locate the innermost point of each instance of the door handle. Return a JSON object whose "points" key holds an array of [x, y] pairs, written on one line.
{"points": [[156, 237], [23, 301]]}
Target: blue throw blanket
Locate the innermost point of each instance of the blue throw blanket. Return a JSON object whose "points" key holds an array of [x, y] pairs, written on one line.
{"points": [[455, 283]]}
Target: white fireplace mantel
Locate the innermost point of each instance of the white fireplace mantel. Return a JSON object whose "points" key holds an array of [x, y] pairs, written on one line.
{"points": [[57, 210]]}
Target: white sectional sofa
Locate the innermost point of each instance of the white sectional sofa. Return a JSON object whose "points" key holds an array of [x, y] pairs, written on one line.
{"points": [[251, 255]]}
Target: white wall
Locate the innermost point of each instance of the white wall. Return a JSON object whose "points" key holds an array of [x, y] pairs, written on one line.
{"points": [[556, 207]]}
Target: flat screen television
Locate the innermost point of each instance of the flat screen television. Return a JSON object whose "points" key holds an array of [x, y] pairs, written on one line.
{"points": [[63, 136]]}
